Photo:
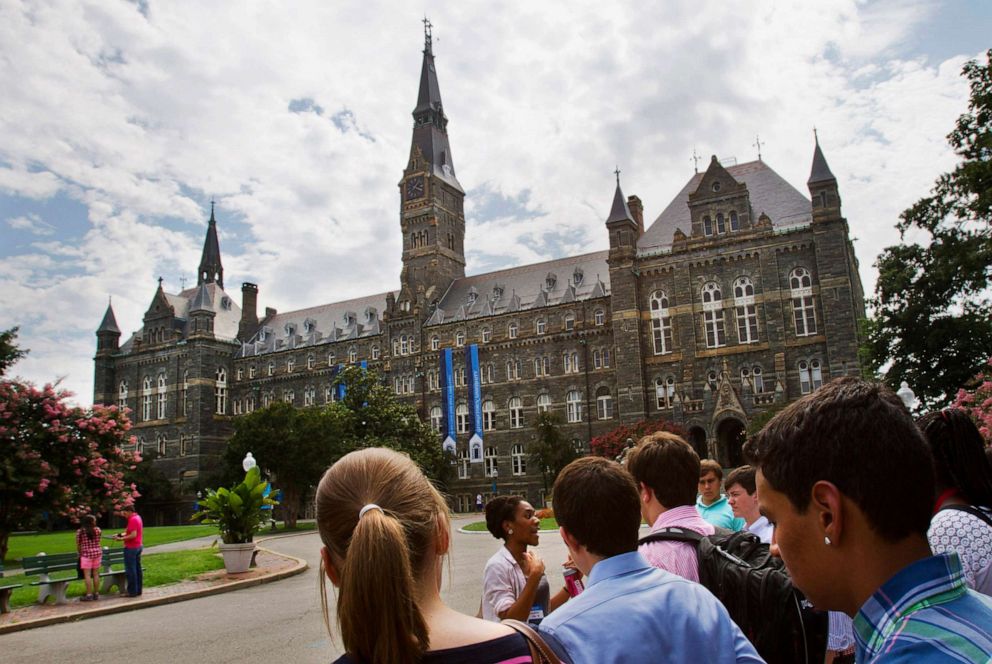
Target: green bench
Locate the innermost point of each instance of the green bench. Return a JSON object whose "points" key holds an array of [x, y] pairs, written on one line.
{"points": [[44, 566], [5, 591], [110, 577]]}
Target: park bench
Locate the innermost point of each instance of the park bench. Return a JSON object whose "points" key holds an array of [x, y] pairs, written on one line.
{"points": [[5, 590], [43, 566], [110, 577]]}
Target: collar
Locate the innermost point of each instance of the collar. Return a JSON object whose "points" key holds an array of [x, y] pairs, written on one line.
{"points": [[682, 515], [927, 582], [503, 551], [614, 566], [716, 503]]}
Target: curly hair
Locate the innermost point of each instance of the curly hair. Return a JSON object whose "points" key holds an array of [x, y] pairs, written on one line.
{"points": [[498, 510]]}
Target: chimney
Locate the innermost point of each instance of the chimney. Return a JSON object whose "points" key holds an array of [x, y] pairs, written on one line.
{"points": [[249, 311], [637, 212]]}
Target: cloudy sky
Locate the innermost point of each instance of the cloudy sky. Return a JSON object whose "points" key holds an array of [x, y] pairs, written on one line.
{"points": [[119, 121]]}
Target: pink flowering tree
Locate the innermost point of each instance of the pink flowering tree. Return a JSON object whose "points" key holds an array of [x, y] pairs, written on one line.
{"points": [[978, 401], [59, 458]]}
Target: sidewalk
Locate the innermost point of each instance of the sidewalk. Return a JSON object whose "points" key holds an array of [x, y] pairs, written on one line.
{"points": [[271, 566]]}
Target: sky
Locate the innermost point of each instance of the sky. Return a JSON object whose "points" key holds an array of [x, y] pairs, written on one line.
{"points": [[120, 122]]}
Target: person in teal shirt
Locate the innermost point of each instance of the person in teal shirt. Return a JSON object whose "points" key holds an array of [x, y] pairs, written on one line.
{"points": [[711, 504]]}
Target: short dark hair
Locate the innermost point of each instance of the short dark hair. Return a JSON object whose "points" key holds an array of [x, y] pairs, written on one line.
{"points": [[743, 476], [710, 466], [597, 502], [498, 510], [859, 436], [958, 454], [667, 465]]}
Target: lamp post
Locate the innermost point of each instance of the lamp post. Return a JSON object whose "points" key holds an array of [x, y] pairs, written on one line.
{"points": [[907, 395], [249, 462], [495, 481]]}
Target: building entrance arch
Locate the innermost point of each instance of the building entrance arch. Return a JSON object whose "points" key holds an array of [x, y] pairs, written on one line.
{"points": [[697, 438], [730, 439]]}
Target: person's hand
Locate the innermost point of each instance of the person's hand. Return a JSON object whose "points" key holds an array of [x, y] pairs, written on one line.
{"points": [[535, 566], [570, 564]]}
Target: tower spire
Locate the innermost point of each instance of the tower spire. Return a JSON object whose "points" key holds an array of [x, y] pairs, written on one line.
{"points": [[820, 172], [211, 270], [620, 211], [430, 124]]}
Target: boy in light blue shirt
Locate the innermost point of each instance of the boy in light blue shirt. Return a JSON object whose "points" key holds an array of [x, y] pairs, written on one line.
{"points": [[711, 504]]}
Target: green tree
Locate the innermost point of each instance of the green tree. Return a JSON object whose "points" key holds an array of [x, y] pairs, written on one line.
{"points": [[931, 325], [9, 352], [156, 489], [552, 451]]}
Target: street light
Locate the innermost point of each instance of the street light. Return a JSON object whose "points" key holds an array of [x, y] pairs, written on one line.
{"points": [[249, 462], [495, 481], [907, 395]]}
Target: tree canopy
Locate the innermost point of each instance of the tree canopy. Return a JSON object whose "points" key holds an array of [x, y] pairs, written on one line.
{"points": [[551, 450], [931, 325], [9, 352]]}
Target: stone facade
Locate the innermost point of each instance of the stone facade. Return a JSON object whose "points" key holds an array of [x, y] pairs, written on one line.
{"points": [[743, 294]]}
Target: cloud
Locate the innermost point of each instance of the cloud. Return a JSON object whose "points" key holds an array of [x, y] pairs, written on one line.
{"points": [[31, 223], [298, 125]]}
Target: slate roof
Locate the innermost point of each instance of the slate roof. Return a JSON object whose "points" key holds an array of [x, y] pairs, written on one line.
{"points": [[820, 172], [326, 323], [109, 322], [768, 191], [525, 287], [211, 298]]}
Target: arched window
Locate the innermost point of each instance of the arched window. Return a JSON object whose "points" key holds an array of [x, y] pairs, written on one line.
{"points": [[604, 403], [309, 395], [569, 323], [664, 390], [271, 368], [289, 396], [435, 342], [311, 361], [352, 355], [162, 397], [331, 359], [122, 395], [290, 364], [542, 366], [543, 403], [573, 406], [810, 376], [375, 351], [250, 403], [707, 225], [757, 379], [513, 369], [487, 334], [661, 323], [746, 311], [220, 391], [146, 398], [540, 326], [251, 371], [713, 315], [721, 224], [518, 460], [436, 418], [488, 415], [570, 361], [735, 223], [460, 338], [160, 444], [803, 311], [461, 418], [599, 317], [491, 464], [512, 329], [516, 406]]}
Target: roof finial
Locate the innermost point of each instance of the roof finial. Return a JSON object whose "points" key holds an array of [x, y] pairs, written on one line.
{"points": [[816, 138], [695, 159], [617, 172], [758, 143], [212, 210], [427, 34], [160, 282]]}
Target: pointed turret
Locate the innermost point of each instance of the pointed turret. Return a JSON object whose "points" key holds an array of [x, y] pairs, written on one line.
{"points": [[201, 312], [822, 186], [430, 124], [211, 270], [620, 211], [108, 335], [621, 224]]}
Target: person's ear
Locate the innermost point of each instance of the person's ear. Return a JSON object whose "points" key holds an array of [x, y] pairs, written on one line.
{"points": [[329, 569], [828, 502], [570, 542], [442, 541], [647, 493]]}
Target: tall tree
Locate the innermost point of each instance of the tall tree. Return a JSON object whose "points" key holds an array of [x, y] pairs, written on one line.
{"points": [[552, 451], [9, 352], [931, 325]]}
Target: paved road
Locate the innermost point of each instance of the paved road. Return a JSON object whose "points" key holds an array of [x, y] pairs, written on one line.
{"points": [[272, 623]]}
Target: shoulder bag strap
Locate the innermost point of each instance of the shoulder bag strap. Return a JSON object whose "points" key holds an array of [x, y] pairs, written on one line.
{"points": [[671, 534], [540, 652], [970, 509]]}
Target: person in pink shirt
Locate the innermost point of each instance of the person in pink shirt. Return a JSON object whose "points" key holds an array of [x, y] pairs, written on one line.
{"points": [[132, 550], [666, 470]]}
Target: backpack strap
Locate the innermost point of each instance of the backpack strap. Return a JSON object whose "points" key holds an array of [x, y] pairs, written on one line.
{"points": [[970, 509], [540, 652], [672, 534]]}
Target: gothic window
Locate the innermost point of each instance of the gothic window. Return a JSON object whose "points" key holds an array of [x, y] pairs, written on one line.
{"points": [[513, 369], [266, 399], [721, 224], [604, 403], [331, 359], [271, 368], [311, 361], [183, 444], [487, 334], [309, 395], [758, 381], [436, 418], [160, 444], [601, 358], [512, 329], [664, 390], [250, 403], [488, 415], [460, 376], [713, 315], [236, 406], [290, 364], [460, 338], [162, 397], [404, 345], [542, 366], [600, 317], [735, 223], [518, 459], [251, 371], [432, 383], [810, 376], [463, 467], [220, 391], [146, 399], [122, 395], [435, 343], [707, 225], [461, 418], [289, 396], [491, 465], [573, 406], [352, 355], [801, 291], [184, 396], [661, 323], [747, 313], [516, 406], [240, 373], [569, 322], [375, 351], [540, 326], [570, 361], [543, 403]]}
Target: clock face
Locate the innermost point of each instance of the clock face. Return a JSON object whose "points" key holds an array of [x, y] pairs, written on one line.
{"points": [[414, 188]]}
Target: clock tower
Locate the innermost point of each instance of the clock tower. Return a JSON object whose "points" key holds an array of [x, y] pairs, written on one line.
{"points": [[432, 214]]}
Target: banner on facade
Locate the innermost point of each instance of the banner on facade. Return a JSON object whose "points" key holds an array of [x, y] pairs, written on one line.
{"points": [[447, 375], [474, 400]]}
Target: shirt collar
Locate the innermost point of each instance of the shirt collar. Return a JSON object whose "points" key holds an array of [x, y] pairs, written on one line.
{"points": [[608, 568], [505, 552], [716, 503], [677, 516], [926, 582]]}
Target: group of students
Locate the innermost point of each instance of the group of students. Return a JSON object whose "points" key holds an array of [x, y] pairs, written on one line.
{"points": [[848, 483], [90, 552]]}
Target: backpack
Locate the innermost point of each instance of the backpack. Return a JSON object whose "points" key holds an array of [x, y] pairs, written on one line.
{"points": [[758, 593]]}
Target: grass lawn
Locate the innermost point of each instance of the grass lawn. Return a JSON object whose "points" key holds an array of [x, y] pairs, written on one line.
{"points": [[65, 541], [480, 526], [160, 569]]}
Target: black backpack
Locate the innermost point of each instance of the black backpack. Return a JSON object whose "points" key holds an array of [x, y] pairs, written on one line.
{"points": [[758, 593]]}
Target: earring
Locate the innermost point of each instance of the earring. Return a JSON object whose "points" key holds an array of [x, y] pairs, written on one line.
{"points": [[826, 540], [509, 531]]}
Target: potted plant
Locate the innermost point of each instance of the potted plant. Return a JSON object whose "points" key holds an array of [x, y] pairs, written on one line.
{"points": [[238, 512]]}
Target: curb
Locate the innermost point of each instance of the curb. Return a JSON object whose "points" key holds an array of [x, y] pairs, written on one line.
{"points": [[486, 532], [300, 567]]}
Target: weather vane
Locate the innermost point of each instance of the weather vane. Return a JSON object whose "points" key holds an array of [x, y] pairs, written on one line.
{"points": [[617, 171], [695, 159], [758, 143], [427, 32]]}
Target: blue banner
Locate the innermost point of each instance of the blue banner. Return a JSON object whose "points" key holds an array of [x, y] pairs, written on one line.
{"points": [[474, 401], [341, 389], [447, 376]]}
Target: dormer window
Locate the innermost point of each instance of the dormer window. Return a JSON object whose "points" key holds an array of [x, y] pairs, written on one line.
{"points": [[497, 292], [309, 325], [550, 281], [577, 277], [369, 314], [290, 329], [473, 295], [349, 318], [263, 334], [225, 303]]}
